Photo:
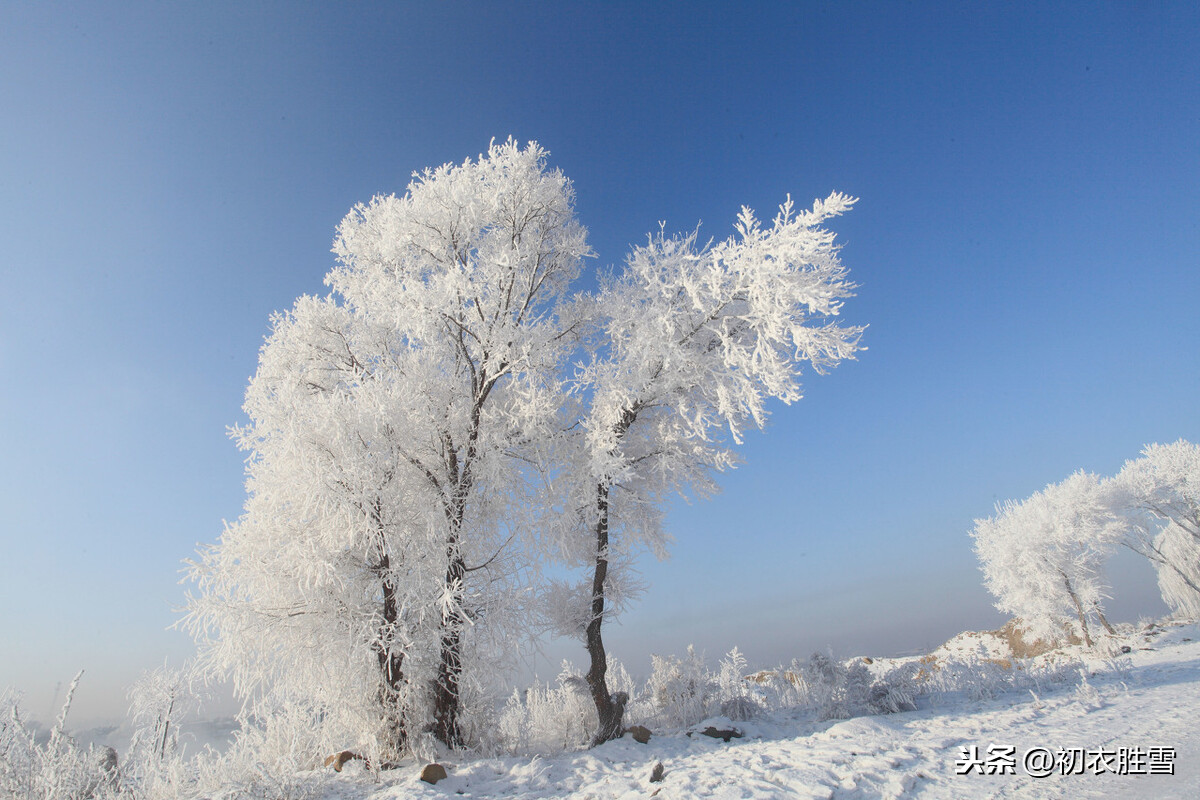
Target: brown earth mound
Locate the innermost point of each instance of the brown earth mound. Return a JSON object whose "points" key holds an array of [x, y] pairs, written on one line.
{"points": [[1023, 647]]}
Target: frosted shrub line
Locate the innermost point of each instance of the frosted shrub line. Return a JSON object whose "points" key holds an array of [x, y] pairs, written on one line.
{"points": [[274, 755]]}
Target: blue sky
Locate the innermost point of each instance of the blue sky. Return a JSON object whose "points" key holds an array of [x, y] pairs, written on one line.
{"points": [[1026, 245]]}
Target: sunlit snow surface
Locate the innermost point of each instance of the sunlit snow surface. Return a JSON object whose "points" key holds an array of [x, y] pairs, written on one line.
{"points": [[1152, 699]]}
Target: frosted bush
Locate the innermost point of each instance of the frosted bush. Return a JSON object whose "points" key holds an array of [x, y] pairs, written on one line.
{"points": [[978, 679], [682, 689], [271, 757], [549, 719], [819, 678], [840, 690], [896, 691], [737, 699], [158, 701], [1086, 694], [619, 679], [33, 767], [17, 748], [266, 760], [288, 734], [783, 687], [1120, 668], [682, 692], [983, 678]]}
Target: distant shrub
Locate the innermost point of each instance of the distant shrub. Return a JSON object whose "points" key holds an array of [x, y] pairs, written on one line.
{"points": [[735, 693], [682, 690], [840, 690], [54, 768]]}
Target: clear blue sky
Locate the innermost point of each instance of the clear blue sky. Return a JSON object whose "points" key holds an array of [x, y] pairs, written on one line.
{"points": [[1027, 246]]}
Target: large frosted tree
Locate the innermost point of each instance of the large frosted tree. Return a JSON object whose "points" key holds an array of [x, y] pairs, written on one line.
{"points": [[1043, 558], [690, 343], [384, 493], [1159, 496], [320, 589], [1164, 484]]}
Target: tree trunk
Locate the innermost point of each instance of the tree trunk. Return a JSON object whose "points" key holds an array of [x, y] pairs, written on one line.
{"points": [[391, 664], [162, 752], [446, 699], [610, 708], [1104, 622], [446, 695], [445, 691], [1087, 639]]}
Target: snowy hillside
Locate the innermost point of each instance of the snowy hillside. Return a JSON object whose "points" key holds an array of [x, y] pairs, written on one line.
{"points": [[1121, 714]]}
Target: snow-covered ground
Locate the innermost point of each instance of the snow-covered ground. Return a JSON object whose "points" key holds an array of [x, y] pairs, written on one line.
{"points": [[1121, 713]]}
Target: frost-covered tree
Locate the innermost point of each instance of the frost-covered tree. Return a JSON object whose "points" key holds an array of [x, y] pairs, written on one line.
{"points": [[1159, 497], [1165, 484], [303, 593], [157, 701], [1042, 558], [384, 486], [1177, 563], [418, 442], [690, 342]]}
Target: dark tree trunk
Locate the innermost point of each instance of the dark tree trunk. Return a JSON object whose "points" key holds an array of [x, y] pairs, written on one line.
{"points": [[610, 708], [391, 664], [1104, 622], [162, 753], [446, 698], [460, 477], [446, 695]]}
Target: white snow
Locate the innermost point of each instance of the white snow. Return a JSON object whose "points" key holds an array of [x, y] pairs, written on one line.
{"points": [[1148, 698]]}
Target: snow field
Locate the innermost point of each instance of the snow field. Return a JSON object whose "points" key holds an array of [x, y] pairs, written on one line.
{"points": [[1148, 698]]}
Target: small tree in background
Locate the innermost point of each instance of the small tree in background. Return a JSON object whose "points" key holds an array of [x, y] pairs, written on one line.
{"points": [[157, 702], [1042, 558]]}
